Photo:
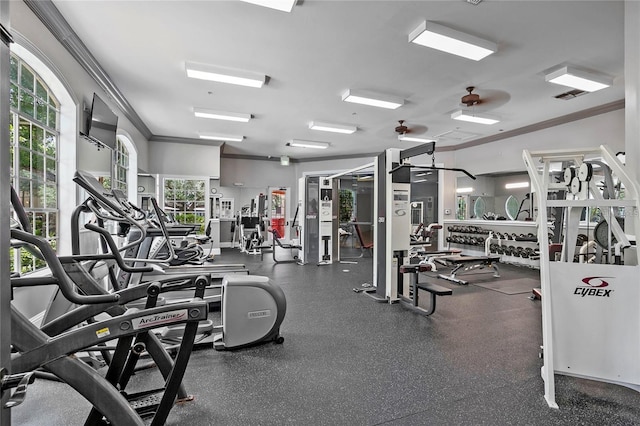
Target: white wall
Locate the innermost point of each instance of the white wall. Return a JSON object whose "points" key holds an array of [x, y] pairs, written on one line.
{"points": [[506, 155], [182, 159]]}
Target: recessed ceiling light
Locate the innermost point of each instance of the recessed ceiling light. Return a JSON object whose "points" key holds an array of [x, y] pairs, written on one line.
{"points": [[448, 40], [372, 99], [578, 79], [474, 117], [224, 75], [413, 139], [335, 128], [282, 5], [221, 115], [307, 144], [220, 137]]}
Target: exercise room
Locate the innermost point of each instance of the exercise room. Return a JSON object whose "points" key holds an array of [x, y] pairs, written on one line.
{"points": [[306, 212]]}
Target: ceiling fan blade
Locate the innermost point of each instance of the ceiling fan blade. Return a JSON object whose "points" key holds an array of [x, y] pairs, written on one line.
{"points": [[417, 129]]}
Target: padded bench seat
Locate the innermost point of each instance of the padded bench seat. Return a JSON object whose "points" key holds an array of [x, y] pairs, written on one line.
{"points": [[438, 290], [465, 264], [433, 289]]}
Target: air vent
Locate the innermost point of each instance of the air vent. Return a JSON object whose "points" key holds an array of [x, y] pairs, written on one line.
{"points": [[571, 94], [457, 135]]}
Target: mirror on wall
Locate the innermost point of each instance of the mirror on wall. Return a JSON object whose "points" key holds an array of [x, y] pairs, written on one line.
{"points": [[512, 207], [498, 196], [479, 207]]}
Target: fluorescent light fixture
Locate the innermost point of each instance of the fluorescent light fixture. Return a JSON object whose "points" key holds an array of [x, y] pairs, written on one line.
{"points": [[372, 99], [221, 115], [220, 137], [412, 139], [515, 185], [419, 181], [307, 144], [464, 190], [448, 40], [282, 5], [284, 160], [474, 117], [421, 174], [578, 79], [224, 75], [335, 128]]}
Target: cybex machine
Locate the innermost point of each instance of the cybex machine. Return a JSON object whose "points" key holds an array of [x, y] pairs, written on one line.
{"points": [[318, 235]]}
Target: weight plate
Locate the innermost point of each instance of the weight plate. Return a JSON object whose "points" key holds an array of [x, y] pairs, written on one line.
{"points": [[569, 174], [576, 186], [585, 172]]}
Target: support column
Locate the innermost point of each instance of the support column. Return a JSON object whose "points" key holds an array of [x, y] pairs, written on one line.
{"points": [[5, 288], [632, 85]]}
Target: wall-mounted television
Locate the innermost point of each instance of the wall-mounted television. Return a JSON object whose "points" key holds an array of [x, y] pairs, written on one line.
{"points": [[102, 124]]}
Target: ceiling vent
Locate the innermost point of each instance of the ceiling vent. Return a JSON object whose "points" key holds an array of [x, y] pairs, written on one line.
{"points": [[457, 135], [571, 94]]}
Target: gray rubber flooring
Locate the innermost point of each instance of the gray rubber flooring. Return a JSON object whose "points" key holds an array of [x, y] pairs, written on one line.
{"points": [[348, 360]]}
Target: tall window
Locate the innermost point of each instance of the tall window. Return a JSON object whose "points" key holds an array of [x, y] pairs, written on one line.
{"points": [[34, 138], [120, 166], [185, 200]]}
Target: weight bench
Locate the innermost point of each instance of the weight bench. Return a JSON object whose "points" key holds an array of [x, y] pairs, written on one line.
{"points": [[467, 264], [291, 247], [427, 257], [433, 289]]}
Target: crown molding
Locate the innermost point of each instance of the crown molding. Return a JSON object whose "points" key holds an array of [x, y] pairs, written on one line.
{"points": [[579, 115]]}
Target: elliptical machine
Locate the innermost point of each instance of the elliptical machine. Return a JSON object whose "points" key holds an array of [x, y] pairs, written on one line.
{"points": [[252, 307]]}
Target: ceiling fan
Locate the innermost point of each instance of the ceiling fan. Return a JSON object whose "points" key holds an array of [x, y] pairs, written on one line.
{"points": [[402, 129], [470, 99], [491, 99]]}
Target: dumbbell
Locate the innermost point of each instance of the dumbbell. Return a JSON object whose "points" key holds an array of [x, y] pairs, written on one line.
{"points": [[582, 238]]}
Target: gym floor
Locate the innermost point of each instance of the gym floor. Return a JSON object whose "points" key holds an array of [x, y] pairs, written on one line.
{"points": [[348, 360]]}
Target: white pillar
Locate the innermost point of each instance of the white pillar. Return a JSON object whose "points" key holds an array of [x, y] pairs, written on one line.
{"points": [[632, 84]]}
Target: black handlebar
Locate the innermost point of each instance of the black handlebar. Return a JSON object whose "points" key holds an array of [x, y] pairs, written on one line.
{"points": [[61, 278], [20, 211], [113, 247], [159, 214]]}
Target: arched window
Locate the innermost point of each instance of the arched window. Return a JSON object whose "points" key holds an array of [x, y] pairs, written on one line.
{"points": [[34, 136], [120, 166]]}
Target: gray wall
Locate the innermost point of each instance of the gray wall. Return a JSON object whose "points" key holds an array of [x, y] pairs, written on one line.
{"points": [[506, 155], [181, 159]]}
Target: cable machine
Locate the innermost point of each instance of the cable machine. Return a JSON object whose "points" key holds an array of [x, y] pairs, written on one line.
{"points": [[392, 207], [590, 315]]}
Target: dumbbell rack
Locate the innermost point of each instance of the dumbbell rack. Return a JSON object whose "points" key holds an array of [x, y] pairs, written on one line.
{"points": [[506, 238]]}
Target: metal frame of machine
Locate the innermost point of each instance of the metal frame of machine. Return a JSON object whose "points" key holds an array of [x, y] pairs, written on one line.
{"points": [[590, 316]]}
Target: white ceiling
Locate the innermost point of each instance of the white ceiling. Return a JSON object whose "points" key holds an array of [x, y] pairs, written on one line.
{"points": [[320, 49]]}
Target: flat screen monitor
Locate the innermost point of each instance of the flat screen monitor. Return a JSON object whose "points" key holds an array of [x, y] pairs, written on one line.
{"points": [[103, 123]]}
